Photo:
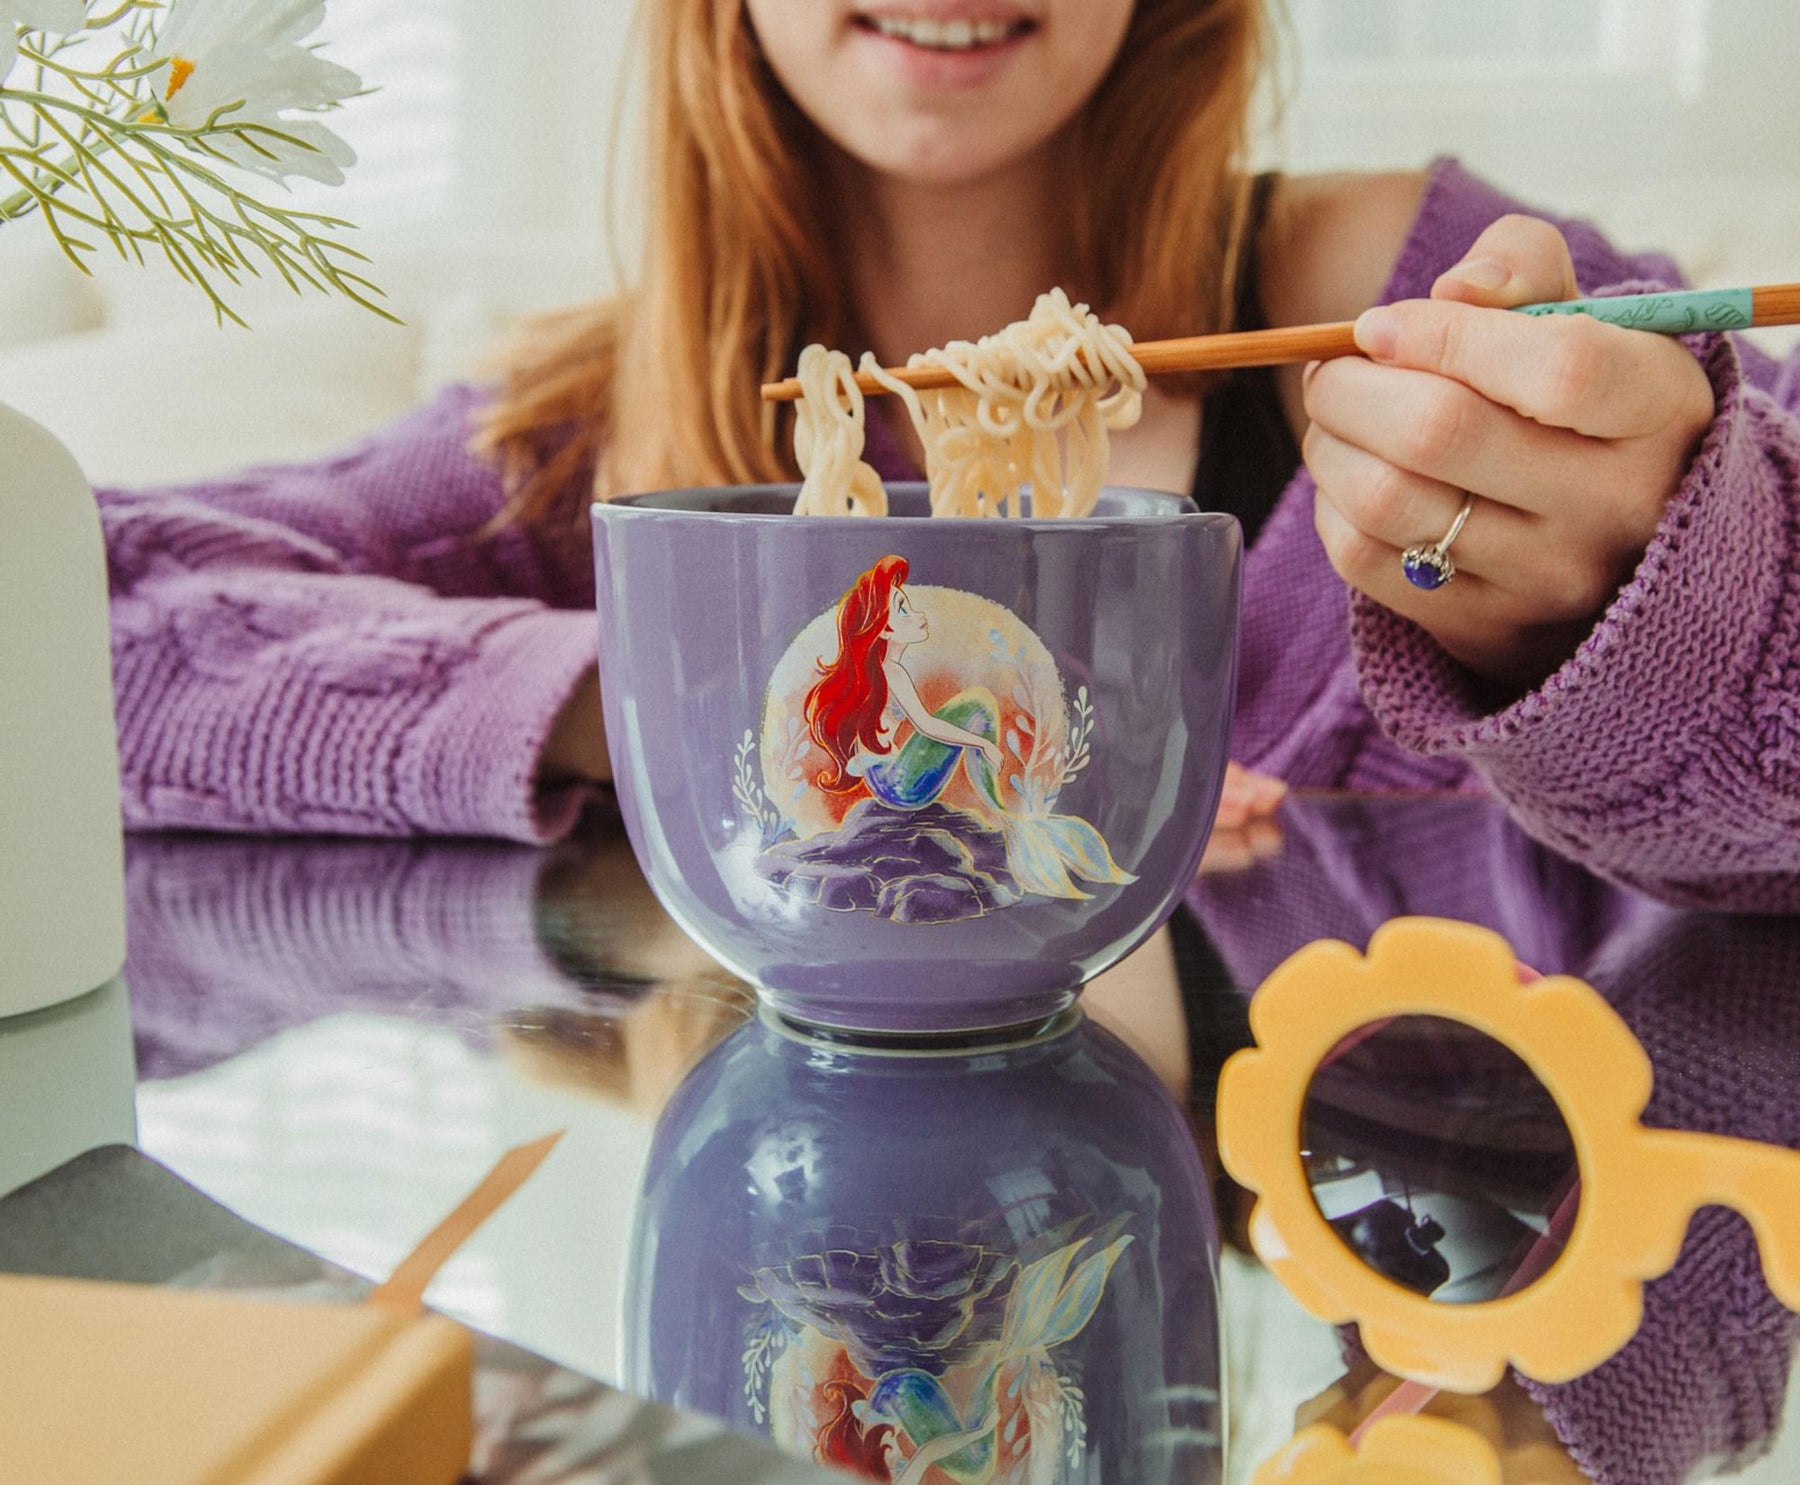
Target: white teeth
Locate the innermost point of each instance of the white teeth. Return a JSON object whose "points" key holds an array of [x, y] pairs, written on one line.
{"points": [[947, 36]]}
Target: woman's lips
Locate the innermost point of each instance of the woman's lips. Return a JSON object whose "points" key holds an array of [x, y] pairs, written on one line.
{"points": [[944, 52]]}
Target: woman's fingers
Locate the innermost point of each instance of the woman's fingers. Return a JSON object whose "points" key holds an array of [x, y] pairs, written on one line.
{"points": [[1443, 430], [1384, 499], [1563, 371], [1514, 635], [1265, 792], [1517, 260], [1262, 787], [1371, 565], [1571, 434], [1369, 512], [1242, 848], [1567, 371], [1399, 509], [1246, 795]]}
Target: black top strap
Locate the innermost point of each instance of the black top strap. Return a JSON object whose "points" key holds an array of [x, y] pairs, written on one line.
{"points": [[1247, 450]]}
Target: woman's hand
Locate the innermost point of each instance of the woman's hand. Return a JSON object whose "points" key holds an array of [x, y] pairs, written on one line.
{"points": [[1572, 434], [1245, 830]]}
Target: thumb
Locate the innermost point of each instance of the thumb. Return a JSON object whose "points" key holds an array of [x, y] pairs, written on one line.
{"points": [[1517, 260]]}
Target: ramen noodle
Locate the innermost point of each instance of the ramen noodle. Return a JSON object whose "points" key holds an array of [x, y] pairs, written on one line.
{"points": [[1033, 406], [828, 440]]}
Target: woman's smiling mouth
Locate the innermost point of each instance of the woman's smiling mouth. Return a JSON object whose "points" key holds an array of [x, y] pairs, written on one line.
{"points": [[936, 45], [960, 34]]}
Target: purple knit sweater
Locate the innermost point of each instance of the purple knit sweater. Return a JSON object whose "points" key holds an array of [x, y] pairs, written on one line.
{"points": [[334, 647]]}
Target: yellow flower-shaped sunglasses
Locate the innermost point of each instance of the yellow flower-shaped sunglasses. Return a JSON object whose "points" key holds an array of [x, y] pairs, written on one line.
{"points": [[1639, 1186]]}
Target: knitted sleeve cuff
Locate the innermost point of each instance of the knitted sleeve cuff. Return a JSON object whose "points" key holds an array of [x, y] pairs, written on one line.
{"points": [[1703, 1382], [1648, 754], [468, 765]]}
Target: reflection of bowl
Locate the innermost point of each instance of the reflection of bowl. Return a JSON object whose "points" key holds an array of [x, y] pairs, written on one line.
{"points": [[804, 716], [859, 1251]]}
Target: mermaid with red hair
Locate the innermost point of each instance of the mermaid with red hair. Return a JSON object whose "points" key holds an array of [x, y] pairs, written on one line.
{"points": [[865, 695]]}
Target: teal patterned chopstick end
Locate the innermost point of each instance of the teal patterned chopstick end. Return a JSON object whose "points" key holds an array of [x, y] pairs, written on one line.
{"points": [[1668, 314]]}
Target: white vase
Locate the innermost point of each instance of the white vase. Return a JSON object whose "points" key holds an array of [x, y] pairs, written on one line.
{"points": [[68, 1082], [62, 896]]}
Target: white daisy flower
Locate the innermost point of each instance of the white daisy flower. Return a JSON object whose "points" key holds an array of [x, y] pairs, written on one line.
{"points": [[62, 16], [245, 56]]}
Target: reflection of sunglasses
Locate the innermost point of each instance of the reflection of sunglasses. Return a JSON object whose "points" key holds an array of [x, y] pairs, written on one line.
{"points": [[1454, 1159], [1395, 1451]]}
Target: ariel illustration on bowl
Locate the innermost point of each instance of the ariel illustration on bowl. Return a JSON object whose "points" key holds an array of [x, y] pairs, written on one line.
{"points": [[910, 768], [923, 1358], [867, 693]]}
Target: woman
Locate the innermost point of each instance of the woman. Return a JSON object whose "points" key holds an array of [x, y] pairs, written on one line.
{"points": [[362, 646]]}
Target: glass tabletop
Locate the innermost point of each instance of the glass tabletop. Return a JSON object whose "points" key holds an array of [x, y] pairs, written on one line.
{"points": [[337, 1038]]}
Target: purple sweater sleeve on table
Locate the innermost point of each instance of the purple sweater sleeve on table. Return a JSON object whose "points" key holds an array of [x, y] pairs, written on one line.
{"points": [[237, 938], [335, 647], [1666, 751]]}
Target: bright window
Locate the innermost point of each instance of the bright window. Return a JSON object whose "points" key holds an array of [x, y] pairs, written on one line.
{"points": [[407, 132], [1649, 41]]}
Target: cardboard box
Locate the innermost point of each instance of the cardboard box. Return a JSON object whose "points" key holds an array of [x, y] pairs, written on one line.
{"points": [[107, 1383]]}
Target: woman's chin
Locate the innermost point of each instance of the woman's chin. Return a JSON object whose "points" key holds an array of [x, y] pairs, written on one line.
{"points": [[937, 149]]}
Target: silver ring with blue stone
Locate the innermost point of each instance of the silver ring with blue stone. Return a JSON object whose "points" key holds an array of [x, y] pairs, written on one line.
{"points": [[1430, 567]]}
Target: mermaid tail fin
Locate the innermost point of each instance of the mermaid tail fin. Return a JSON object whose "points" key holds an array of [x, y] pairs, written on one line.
{"points": [[1045, 853]]}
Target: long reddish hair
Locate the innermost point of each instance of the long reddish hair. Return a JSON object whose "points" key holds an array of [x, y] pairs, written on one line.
{"points": [[658, 387], [843, 1439], [844, 709]]}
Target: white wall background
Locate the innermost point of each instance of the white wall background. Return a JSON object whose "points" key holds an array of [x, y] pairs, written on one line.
{"points": [[484, 179], [1671, 122]]}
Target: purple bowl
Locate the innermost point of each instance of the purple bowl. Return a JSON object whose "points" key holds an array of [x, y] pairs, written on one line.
{"points": [[916, 775]]}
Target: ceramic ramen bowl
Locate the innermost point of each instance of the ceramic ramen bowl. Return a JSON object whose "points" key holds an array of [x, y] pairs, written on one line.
{"points": [[916, 775]]}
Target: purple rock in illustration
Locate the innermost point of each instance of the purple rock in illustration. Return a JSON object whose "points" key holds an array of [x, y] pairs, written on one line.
{"points": [[931, 865], [920, 1303]]}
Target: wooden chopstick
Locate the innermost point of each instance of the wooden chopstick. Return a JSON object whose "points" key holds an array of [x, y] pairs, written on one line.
{"points": [[1679, 313]]}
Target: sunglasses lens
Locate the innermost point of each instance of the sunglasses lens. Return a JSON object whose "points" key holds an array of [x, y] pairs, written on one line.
{"points": [[1439, 1159]]}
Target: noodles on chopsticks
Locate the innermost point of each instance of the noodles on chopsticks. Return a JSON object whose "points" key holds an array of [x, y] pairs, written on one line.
{"points": [[1034, 406], [828, 440]]}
